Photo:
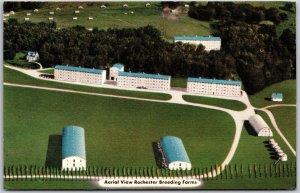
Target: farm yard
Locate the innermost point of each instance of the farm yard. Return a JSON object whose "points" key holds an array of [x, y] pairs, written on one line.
{"points": [[116, 16], [118, 132]]}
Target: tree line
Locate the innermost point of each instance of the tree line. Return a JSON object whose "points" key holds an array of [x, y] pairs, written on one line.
{"points": [[251, 52], [232, 171]]}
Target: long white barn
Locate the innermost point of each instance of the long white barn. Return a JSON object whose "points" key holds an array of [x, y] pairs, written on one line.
{"points": [[260, 126], [205, 86], [145, 81], [209, 42], [79, 74]]}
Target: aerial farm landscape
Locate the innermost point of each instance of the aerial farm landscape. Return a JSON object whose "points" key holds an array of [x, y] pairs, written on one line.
{"points": [[149, 95]]}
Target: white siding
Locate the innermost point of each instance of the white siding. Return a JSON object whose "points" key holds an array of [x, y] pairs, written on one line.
{"points": [[208, 44], [260, 126], [73, 163], [149, 83]]}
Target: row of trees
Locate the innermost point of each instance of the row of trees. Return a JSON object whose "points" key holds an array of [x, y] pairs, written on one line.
{"points": [[16, 6], [235, 11], [229, 172]]}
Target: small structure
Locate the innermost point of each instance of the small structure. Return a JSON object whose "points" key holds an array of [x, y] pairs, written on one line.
{"points": [[90, 29], [91, 18], [35, 10], [186, 5], [103, 6], [73, 148], [4, 19], [114, 71], [125, 5], [80, 7], [76, 11], [204, 86], [260, 126], [57, 9], [26, 18], [175, 153], [12, 13], [277, 97], [209, 42], [28, 14], [283, 157], [74, 18], [131, 12], [51, 12], [147, 5], [6, 15], [50, 18], [79, 74], [125, 13], [144, 81], [32, 56]]}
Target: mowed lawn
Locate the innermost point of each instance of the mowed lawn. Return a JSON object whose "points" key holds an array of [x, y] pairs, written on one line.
{"points": [[224, 103], [115, 16], [287, 88], [286, 120], [13, 76], [47, 71], [118, 132]]}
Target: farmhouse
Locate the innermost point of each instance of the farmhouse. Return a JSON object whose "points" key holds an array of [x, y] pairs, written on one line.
{"points": [[32, 56], [209, 42], [205, 86], [114, 71], [175, 153], [79, 74], [142, 80], [260, 126], [73, 148], [277, 97]]}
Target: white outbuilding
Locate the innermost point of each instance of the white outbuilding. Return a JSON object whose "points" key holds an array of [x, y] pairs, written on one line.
{"points": [[103, 6], [125, 5], [28, 14], [26, 18], [260, 126], [175, 153], [74, 18], [50, 18], [51, 12], [80, 7], [35, 10], [73, 148], [91, 18], [148, 5], [277, 97], [12, 13], [58, 9]]}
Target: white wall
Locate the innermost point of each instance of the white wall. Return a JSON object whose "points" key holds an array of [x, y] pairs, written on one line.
{"points": [[208, 44], [149, 83], [213, 89], [180, 165], [73, 163]]}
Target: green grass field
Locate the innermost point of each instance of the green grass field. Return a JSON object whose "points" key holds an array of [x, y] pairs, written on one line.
{"points": [[178, 82], [114, 17], [287, 87], [286, 121], [21, 62], [48, 71], [13, 76], [118, 132], [228, 104]]}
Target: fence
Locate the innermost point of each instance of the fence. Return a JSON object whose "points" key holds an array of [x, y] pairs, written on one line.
{"points": [[234, 171]]}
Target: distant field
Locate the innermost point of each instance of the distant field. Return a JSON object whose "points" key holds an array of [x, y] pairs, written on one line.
{"points": [[48, 71], [287, 87], [13, 76], [229, 104], [286, 121], [115, 16], [118, 132]]}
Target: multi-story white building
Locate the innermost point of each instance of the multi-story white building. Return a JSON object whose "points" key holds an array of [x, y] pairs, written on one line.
{"points": [[114, 71], [209, 42], [32, 56], [205, 86], [73, 148], [79, 74], [145, 81]]}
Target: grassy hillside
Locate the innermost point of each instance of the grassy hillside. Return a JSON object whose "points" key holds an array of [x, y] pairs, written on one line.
{"points": [[115, 16], [118, 132], [228, 104], [287, 87], [286, 121], [12, 76]]}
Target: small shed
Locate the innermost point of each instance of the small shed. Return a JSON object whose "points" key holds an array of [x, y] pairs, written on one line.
{"points": [[80, 7], [50, 18], [35, 10], [28, 14], [277, 96], [125, 5], [76, 11], [91, 18], [58, 9], [186, 5], [26, 18], [12, 12], [51, 12], [260, 126], [103, 6], [148, 5], [74, 18], [175, 153]]}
